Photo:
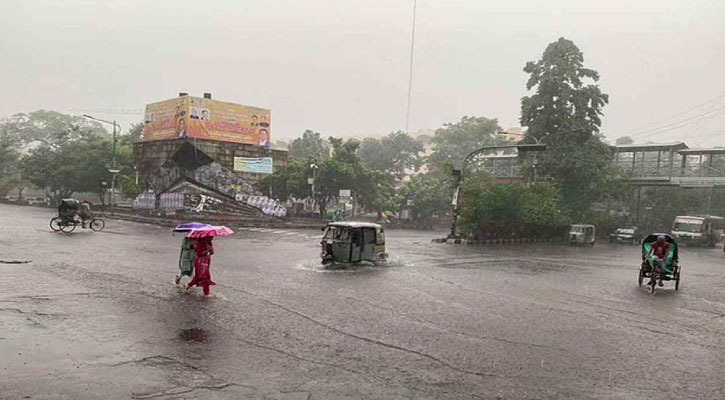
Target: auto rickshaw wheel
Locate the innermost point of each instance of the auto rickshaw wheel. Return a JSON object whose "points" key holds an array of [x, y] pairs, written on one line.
{"points": [[97, 225], [641, 277], [55, 224], [68, 227]]}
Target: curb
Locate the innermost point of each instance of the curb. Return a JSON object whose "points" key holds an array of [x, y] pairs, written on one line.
{"points": [[240, 223], [494, 241]]}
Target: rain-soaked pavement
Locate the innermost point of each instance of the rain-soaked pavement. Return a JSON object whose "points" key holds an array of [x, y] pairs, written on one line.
{"points": [[96, 315]]}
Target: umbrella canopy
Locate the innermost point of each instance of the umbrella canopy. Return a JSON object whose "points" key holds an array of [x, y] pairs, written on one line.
{"points": [[211, 230], [189, 226]]}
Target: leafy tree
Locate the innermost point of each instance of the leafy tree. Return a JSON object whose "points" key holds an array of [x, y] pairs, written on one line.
{"points": [[565, 113], [9, 156], [68, 154], [453, 142], [624, 140], [310, 145], [428, 193], [135, 134], [290, 181], [125, 160], [51, 128], [484, 201], [75, 166], [395, 153], [345, 170]]}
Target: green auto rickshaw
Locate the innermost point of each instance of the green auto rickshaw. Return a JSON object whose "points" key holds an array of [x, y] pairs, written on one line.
{"points": [[352, 242]]}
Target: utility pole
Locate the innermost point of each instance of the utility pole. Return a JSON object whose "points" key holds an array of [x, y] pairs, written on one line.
{"points": [[113, 169]]}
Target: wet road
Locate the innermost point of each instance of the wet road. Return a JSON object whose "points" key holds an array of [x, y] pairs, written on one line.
{"points": [[96, 315]]}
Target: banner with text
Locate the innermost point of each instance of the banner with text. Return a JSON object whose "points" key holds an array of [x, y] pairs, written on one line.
{"points": [[202, 118], [256, 165]]}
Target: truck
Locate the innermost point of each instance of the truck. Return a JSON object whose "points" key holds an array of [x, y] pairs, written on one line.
{"points": [[700, 230]]}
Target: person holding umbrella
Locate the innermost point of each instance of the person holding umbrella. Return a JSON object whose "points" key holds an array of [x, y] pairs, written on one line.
{"points": [[204, 249], [187, 254]]}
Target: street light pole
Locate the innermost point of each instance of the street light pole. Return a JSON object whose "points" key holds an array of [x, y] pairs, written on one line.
{"points": [[114, 168], [458, 175], [313, 167]]}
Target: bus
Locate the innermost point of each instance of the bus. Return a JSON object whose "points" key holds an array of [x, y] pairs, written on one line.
{"points": [[702, 230]]}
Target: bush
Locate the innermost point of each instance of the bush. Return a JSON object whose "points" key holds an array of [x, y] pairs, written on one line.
{"points": [[491, 210]]}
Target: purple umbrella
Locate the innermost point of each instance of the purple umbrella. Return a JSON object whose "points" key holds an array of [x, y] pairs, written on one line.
{"points": [[189, 226]]}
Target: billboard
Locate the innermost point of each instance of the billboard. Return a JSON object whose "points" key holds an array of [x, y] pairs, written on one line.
{"points": [[261, 165], [200, 118]]}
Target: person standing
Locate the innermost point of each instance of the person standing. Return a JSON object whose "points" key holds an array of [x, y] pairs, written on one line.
{"points": [[202, 276], [186, 259]]}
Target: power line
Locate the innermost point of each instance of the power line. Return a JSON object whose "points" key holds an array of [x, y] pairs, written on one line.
{"points": [[718, 97], [410, 73], [677, 124], [127, 111]]}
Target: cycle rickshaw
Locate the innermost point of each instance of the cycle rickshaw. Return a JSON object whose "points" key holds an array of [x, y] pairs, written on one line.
{"points": [[670, 271], [70, 215]]}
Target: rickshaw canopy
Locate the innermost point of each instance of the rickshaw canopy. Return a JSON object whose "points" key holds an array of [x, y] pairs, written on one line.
{"points": [[67, 205]]}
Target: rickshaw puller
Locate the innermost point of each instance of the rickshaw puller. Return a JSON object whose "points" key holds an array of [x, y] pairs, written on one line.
{"points": [[86, 213], [659, 250]]}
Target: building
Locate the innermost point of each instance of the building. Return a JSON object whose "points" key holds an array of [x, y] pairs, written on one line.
{"points": [[196, 145]]}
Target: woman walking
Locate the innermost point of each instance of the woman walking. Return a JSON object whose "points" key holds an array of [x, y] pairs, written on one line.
{"points": [[186, 259], [202, 277]]}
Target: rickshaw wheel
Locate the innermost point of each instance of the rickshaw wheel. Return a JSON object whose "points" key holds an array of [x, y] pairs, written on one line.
{"points": [[653, 283], [97, 225], [641, 277], [677, 281], [68, 227], [55, 224]]}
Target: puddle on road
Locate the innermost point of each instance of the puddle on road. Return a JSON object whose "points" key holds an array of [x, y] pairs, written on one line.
{"points": [[196, 335]]}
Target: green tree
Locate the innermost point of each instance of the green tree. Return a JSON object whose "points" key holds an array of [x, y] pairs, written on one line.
{"points": [[373, 190], [310, 145], [395, 153], [75, 166], [290, 181], [484, 200], [127, 182], [453, 142], [51, 128], [624, 140], [68, 154], [565, 113], [10, 145], [426, 193]]}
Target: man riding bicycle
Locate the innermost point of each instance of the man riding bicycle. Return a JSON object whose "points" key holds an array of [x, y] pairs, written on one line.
{"points": [[86, 213], [660, 249]]}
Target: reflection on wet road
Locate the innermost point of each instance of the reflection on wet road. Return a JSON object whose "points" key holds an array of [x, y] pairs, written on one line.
{"points": [[97, 315]]}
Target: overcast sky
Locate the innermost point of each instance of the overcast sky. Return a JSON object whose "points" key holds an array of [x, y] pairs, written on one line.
{"points": [[340, 67]]}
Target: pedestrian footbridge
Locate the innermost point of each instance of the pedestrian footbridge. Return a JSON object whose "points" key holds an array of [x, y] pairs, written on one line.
{"points": [[651, 164]]}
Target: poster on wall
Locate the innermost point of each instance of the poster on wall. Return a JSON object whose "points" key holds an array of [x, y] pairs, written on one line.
{"points": [[201, 118], [261, 165]]}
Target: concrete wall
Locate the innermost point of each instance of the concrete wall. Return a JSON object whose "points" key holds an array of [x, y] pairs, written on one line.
{"points": [[161, 163]]}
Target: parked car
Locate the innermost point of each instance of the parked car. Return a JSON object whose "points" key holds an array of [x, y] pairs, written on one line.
{"points": [[629, 235]]}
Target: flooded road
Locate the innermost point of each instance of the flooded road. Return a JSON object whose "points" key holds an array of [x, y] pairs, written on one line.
{"points": [[96, 315]]}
